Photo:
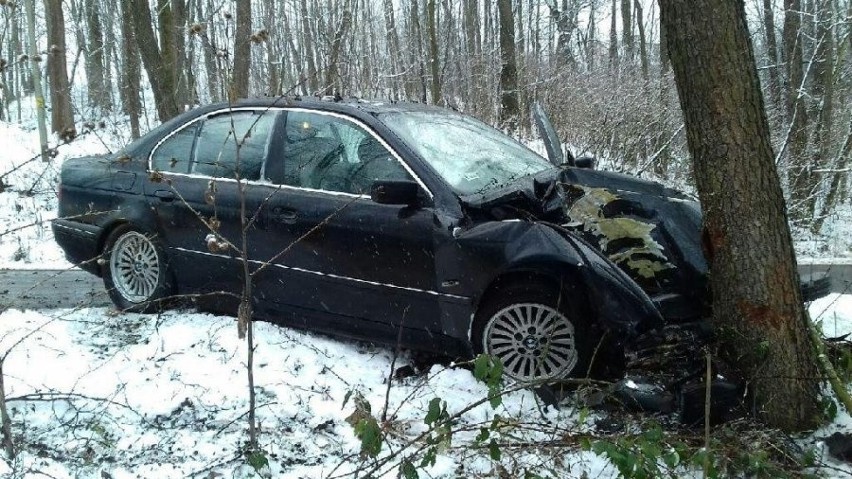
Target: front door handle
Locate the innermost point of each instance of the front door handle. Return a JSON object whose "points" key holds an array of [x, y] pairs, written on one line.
{"points": [[165, 195], [284, 215]]}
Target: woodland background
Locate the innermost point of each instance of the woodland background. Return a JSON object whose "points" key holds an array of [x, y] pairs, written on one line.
{"points": [[600, 68]]}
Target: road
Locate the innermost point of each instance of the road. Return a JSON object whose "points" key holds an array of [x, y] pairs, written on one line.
{"points": [[46, 289]]}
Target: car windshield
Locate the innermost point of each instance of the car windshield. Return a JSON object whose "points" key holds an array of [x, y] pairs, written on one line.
{"points": [[468, 154]]}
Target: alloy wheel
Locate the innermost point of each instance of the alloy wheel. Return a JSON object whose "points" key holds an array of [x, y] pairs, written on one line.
{"points": [[533, 341], [135, 267]]}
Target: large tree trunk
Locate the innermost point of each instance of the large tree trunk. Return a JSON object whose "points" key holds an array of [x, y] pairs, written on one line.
{"points": [[510, 107], [757, 306], [61, 112]]}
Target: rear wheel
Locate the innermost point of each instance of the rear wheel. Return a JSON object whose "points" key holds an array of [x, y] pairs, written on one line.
{"points": [[536, 331], [136, 274]]}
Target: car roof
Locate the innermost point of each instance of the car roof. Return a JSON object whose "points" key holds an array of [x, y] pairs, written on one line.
{"points": [[330, 104]]}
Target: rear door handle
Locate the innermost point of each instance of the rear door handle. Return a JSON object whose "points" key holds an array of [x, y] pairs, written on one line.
{"points": [[165, 195]]}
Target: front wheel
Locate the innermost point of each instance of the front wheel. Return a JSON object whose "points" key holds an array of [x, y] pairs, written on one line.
{"points": [[535, 331], [136, 274]]}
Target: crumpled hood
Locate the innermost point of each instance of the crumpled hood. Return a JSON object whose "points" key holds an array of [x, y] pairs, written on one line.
{"points": [[653, 233]]}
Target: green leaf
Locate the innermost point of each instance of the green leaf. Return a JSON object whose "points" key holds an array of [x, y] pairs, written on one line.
{"points": [[481, 366], [408, 470], [257, 460], [346, 398], [494, 450], [494, 396], [429, 457], [434, 411], [483, 435], [368, 431], [671, 459]]}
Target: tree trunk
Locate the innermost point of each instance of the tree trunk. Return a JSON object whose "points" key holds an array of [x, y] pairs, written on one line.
{"points": [[627, 30], [823, 93], [333, 82], [613, 37], [434, 61], [159, 74], [242, 52], [417, 36], [308, 41], [473, 48], [510, 108], [393, 48], [797, 115], [771, 51], [757, 305], [130, 76], [643, 51], [99, 96], [61, 112]]}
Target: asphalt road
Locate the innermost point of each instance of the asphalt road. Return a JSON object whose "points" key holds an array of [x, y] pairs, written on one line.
{"points": [[46, 289]]}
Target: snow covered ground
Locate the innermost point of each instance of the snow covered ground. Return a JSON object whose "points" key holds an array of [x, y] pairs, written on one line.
{"points": [[98, 394]]}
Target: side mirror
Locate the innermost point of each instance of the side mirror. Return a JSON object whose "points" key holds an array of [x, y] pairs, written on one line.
{"points": [[585, 161], [395, 192]]}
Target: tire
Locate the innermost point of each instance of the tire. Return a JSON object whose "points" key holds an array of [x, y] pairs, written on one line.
{"points": [[136, 273], [537, 331]]}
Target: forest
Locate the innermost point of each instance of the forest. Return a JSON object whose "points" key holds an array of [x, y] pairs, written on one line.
{"points": [[600, 68], [84, 77]]}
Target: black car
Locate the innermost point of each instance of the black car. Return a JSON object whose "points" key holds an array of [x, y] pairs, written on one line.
{"points": [[398, 223]]}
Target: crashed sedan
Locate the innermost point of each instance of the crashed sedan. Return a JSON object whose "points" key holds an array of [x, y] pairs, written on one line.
{"points": [[399, 223]]}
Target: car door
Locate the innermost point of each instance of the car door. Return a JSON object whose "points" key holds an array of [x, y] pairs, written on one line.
{"points": [[196, 197], [359, 266]]}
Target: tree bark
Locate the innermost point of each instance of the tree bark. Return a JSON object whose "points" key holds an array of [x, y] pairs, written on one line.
{"points": [[333, 83], [797, 114], [757, 305], [771, 51], [61, 112], [627, 29], [99, 95], [643, 51], [242, 52], [434, 61], [308, 41], [130, 76], [613, 37], [510, 107], [159, 74]]}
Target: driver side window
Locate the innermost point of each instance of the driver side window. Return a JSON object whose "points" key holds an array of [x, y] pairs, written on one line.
{"points": [[329, 153]]}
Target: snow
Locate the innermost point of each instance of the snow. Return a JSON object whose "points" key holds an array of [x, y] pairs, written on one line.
{"points": [[28, 198], [165, 395]]}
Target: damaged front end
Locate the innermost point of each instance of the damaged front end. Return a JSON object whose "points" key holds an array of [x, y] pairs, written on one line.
{"points": [[652, 235]]}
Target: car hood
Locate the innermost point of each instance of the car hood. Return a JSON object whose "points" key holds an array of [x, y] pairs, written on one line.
{"points": [[653, 233]]}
